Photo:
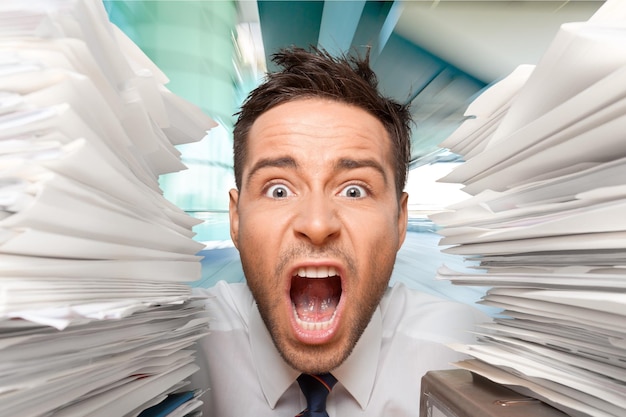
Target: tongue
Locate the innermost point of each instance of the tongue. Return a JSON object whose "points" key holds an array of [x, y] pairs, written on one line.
{"points": [[315, 299]]}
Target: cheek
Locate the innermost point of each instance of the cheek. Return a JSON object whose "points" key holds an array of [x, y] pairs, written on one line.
{"points": [[261, 279], [259, 250], [250, 245], [375, 235], [254, 233], [381, 253], [261, 224]]}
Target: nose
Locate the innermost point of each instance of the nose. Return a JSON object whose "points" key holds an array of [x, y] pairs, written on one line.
{"points": [[317, 220]]}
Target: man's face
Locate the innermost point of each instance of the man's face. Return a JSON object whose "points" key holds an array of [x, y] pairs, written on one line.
{"points": [[318, 224]]}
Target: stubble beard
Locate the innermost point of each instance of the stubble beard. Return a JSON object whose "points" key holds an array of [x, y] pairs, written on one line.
{"points": [[307, 358]]}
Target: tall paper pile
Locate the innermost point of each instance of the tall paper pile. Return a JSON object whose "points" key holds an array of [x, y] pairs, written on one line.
{"points": [[95, 315], [546, 167]]}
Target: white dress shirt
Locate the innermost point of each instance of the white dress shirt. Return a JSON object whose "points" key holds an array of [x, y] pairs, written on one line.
{"points": [[406, 337]]}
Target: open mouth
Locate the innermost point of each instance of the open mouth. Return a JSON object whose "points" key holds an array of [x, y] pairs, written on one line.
{"points": [[315, 294]]}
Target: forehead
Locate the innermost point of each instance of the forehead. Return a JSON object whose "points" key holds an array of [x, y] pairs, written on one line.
{"points": [[318, 127]]}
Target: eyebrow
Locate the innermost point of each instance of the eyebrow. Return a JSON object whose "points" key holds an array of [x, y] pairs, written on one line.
{"points": [[348, 164], [343, 164], [280, 162]]}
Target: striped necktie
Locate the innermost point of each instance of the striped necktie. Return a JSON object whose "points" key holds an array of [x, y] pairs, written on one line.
{"points": [[315, 388]]}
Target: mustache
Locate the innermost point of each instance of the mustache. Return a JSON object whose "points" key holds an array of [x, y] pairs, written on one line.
{"points": [[312, 252]]}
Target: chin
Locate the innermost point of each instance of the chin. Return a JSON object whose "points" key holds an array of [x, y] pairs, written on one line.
{"points": [[315, 359]]}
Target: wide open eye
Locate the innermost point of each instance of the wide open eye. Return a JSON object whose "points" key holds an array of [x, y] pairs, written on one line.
{"points": [[278, 191], [354, 191]]}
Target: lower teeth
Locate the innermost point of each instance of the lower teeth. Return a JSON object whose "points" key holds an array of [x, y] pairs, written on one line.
{"points": [[313, 325]]}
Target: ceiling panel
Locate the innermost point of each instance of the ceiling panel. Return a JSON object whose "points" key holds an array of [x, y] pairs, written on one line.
{"points": [[488, 39], [437, 55], [406, 72], [287, 23]]}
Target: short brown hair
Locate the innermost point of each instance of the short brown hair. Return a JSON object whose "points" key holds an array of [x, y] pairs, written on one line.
{"points": [[316, 73]]}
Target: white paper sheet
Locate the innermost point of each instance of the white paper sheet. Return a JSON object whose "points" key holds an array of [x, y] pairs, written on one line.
{"points": [[534, 277], [486, 110], [566, 120], [594, 50]]}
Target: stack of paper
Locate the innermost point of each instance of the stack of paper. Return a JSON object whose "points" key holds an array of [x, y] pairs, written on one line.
{"points": [[546, 168], [95, 315]]}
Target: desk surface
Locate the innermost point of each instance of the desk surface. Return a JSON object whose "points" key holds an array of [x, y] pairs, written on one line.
{"points": [[460, 393]]}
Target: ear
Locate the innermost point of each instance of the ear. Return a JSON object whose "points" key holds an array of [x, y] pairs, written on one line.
{"points": [[403, 218], [233, 214]]}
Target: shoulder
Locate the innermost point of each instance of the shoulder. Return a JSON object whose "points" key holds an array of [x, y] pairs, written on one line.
{"points": [[413, 302], [425, 316], [229, 304]]}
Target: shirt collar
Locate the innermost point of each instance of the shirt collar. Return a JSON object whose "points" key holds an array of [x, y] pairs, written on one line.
{"points": [[275, 375], [356, 374]]}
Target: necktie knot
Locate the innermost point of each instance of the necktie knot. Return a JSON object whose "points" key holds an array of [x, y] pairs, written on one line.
{"points": [[316, 389]]}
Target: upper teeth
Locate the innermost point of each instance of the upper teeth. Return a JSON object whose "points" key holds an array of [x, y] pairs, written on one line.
{"points": [[317, 271]]}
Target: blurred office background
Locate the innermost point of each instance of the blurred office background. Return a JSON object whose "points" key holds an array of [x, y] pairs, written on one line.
{"points": [[437, 55]]}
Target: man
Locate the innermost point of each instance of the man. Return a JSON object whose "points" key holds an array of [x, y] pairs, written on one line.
{"points": [[318, 216]]}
